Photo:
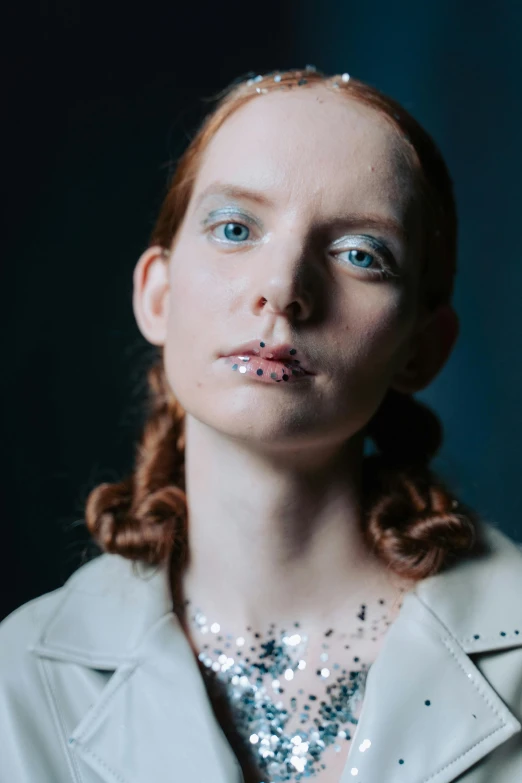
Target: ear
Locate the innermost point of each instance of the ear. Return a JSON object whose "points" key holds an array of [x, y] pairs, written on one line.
{"points": [[432, 344], [151, 295]]}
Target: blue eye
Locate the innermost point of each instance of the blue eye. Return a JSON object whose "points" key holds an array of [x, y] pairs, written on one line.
{"points": [[360, 258], [380, 265], [235, 232]]}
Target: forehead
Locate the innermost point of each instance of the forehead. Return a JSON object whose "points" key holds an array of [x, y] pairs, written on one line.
{"points": [[309, 149]]}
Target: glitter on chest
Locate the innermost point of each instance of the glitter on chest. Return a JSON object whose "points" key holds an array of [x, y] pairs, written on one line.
{"points": [[288, 740]]}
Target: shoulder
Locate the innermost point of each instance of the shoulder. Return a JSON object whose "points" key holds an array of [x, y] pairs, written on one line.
{"points": [[94, 614], [25, 720], [34, 669], [478, 599], [20, 628], [23, 629]]}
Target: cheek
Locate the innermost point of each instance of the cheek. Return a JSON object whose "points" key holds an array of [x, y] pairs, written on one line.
{"points": [[377, 325], [196, 294], [196, 313], [191, 274]]}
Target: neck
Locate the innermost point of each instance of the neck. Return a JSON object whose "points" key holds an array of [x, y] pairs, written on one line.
{"points": [[275, 537]]}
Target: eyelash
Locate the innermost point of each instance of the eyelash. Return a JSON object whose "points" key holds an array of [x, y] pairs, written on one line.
{"points": [[385, 272]]}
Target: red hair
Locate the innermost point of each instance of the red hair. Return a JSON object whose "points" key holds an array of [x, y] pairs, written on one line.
{"points": [[410, 519]]}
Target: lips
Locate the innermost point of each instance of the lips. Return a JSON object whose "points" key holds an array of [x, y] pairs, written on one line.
{"points": [[266, 370], [284, 353]]}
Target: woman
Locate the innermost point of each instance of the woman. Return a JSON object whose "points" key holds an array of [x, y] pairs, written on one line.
{"points": [[274, 602]]}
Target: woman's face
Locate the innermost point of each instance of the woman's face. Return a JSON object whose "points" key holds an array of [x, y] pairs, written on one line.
{"points": [[320, 250]]}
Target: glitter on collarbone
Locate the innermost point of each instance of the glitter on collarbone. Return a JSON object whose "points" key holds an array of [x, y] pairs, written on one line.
{"points": [[288, 741]]}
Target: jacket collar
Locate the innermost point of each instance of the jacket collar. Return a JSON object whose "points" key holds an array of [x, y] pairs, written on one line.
{"points": [[109, 606], [117, 616]]}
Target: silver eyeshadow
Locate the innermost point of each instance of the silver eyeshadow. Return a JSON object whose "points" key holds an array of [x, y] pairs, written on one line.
{"points": [[363, 239]]}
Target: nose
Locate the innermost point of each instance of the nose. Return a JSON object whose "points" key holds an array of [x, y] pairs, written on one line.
{"points": [[284, 284]]}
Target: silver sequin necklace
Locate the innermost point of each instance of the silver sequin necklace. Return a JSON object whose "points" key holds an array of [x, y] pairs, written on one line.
{"points": [[285, 728]]}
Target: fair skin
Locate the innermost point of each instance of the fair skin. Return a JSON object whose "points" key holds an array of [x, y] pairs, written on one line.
{"points": [[273, 469]]}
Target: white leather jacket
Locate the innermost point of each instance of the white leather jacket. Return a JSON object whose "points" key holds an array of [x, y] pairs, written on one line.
{"points": [[98, 684]]}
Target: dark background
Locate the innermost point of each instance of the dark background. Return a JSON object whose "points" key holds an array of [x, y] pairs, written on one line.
{"points": [[97, 100]]}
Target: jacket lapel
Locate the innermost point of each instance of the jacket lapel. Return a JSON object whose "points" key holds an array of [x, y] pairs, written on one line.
{"points": [[428, 712], [153, 720]]}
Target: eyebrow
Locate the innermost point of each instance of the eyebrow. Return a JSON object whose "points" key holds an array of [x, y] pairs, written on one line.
{"points": [[354, 219], [235, 192]]}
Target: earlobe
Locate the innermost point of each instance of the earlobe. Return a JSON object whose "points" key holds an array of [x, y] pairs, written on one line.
{"points": [[150, 299], [432, 347]]}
